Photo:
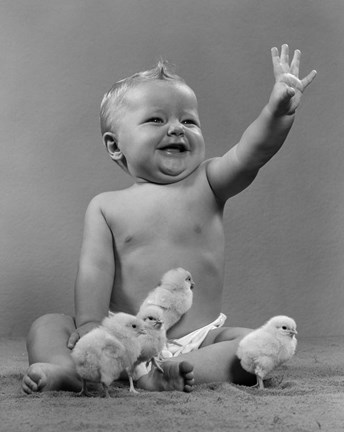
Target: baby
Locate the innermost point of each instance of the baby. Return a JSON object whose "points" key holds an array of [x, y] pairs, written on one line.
{"points": [[172, 216]]}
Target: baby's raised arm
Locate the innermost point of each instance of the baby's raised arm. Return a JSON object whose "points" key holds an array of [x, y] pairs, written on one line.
{"points": [[233, 172], [96, 271]]}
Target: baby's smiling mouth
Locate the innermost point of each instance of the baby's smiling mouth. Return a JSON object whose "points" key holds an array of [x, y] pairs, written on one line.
{"points": [[174, 148]]}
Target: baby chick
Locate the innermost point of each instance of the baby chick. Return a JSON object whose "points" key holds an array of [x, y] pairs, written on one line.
{"points": [[98, 357], [154, 341], [267, 347], [173, 296], [127, 329]]}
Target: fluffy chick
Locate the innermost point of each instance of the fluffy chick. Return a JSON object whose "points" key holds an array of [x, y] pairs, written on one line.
{"points": [[267, 347], [173, 296], [127, 329], [154, 341], [98, 357]]}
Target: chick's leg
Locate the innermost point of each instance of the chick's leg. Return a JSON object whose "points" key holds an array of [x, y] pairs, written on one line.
{"points": [[106, 393], [259, 371], [84, 391], [260, 382], [157, 364], [131, 381]]}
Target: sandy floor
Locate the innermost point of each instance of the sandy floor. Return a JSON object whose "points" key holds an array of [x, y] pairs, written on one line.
{"points": [[305, 395]]}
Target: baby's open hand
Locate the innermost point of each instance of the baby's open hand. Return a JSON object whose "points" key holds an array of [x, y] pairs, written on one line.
{"points": [[80, 332], [288, 89]]}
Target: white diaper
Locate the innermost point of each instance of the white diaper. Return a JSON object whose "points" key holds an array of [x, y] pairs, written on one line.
{"points": [[183, 345]]}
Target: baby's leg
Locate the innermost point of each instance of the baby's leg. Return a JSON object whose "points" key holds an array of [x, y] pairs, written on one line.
{"points": [[214, 361], [218, 360], [51, 365]]}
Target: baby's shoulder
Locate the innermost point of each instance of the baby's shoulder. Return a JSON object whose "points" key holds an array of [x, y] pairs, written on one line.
{"points": [[105, 198], [99, 203], [111, 204], [102, 198]]}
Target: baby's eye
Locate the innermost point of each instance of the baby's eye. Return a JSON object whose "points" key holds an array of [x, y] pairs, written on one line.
{"points": [[154, 120], [189, 122]]}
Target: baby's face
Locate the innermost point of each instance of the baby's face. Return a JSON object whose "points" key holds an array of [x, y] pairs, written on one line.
{"points": [[159, 133]]}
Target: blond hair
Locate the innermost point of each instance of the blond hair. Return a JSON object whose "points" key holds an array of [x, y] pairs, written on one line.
{"points": [[113, 100]]}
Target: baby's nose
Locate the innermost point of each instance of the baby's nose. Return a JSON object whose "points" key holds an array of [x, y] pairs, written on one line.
{"points": [[176, 128]]}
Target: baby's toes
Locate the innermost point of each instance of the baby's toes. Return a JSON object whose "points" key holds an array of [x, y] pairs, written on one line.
{"points": [[28, 385], [186, 370], [34, 379]]}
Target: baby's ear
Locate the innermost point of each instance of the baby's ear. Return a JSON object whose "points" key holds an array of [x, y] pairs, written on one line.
{"points": [[110, 142]]}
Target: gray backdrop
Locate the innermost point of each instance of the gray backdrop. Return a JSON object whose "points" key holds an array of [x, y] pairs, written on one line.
{"points": [[285, 233]]}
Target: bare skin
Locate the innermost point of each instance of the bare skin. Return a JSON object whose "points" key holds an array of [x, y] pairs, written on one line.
{"points": [[171, 217], [56, 369], [200, 250]]}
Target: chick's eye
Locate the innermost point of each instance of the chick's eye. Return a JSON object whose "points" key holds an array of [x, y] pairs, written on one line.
{"points": [[134, 326], [284, 327]]}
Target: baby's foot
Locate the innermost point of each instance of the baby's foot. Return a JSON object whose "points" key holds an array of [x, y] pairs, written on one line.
{"points": [[175, 376], [46, 376]]}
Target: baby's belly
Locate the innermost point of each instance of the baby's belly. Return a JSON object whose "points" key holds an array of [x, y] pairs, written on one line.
{"points": [[141, 271]]}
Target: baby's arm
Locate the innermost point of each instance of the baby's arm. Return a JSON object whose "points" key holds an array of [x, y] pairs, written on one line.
{"points": [[95, 276], [233, 172]]}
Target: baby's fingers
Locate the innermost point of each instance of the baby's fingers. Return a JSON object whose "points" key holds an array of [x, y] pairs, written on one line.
{"points": [[280, 62], [308, 79], [295, 63], [275, 57], [285, 54], [282, 59]]}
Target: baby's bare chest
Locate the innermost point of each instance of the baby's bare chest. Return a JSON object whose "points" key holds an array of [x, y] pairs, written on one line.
{"points": [[158, 231], [165, 216]]}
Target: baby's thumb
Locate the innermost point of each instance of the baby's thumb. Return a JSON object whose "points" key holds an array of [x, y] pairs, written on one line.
{"points": [[73, 340], [290, 92], [286, 94]]}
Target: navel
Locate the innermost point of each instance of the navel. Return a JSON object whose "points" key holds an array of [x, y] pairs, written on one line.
{"points": [[197, 229]]}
